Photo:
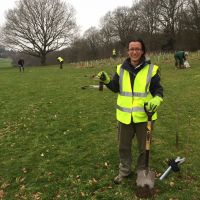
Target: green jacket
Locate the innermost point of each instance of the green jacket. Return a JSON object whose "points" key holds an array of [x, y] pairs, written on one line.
{"points": [[180, 55]]}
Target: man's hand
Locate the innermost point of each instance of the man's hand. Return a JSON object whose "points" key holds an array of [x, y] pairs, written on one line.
{"points": [[103, 76], [154, 103]]}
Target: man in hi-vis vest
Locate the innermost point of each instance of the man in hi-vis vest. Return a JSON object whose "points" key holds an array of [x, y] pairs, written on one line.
{"points": [[136, 82], [114, 55], [60, 60]]}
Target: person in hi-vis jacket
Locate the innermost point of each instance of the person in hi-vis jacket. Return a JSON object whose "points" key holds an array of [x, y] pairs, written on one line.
{"points": [[136, 81]]}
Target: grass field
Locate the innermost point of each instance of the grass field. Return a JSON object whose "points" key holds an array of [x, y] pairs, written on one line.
{"points": [[58, 141]]}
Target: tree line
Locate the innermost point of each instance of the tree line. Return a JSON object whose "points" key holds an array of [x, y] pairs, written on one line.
{"points": [[40, 28]]}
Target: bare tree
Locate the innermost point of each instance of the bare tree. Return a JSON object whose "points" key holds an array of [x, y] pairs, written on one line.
{"points": [[92, 38], [38, 27], [148, 19], [168, 16], [193, 18], [106, 30], [122, 23]]}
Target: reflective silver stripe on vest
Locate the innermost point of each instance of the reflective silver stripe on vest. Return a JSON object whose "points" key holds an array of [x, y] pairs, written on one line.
{"points": [[126, 94], [140, 94], [149, 76], [135, 94], [120, 80], [130, 110]]}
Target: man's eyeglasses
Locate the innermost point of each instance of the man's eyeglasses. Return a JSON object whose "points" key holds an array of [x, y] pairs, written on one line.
{"points": [[136, 50]]}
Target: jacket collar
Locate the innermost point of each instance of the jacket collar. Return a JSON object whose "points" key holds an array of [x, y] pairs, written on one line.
{"points": [[127, 65]]}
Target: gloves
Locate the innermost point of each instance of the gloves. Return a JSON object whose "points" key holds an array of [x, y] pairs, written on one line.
{"points": [[154, 103], [103, 76]]}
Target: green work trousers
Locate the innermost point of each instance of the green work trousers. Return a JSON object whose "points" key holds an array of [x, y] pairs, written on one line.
{"points": [[126, 133]]}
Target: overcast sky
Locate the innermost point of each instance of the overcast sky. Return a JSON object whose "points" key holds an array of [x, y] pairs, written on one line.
{"points": [[88, 12]]}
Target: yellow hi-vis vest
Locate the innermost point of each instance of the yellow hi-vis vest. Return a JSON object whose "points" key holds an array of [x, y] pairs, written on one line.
{"points": [[60, 59], [131, 103], [114, 52]]}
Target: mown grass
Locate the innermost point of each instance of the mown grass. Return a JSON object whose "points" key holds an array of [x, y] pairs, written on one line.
{"points": [[58, 141]]}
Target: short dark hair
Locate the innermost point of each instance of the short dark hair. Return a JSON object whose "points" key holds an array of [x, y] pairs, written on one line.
{"points": [[141, 42]]}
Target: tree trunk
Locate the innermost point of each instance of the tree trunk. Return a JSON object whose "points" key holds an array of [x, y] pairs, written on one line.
{"points": [[43, 60]]}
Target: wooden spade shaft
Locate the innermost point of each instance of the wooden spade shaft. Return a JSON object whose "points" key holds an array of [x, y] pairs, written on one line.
{"points": [[148, 143]]}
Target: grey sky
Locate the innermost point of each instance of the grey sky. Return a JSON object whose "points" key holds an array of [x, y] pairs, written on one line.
{"points": [[88, 12]]}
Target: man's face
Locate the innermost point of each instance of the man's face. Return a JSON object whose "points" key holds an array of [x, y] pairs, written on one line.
{"points": [[135, 51]]}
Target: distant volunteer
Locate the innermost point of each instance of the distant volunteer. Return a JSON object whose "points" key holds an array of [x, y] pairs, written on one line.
{"points": [[21, 65], [61, 61], [180, 57]]}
